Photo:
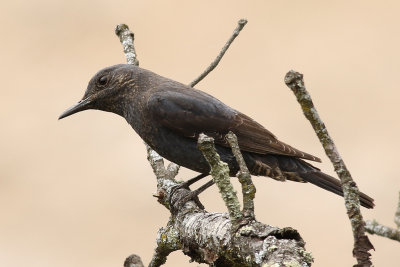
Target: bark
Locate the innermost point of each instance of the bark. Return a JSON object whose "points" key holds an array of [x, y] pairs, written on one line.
{"points": [[373, 227], [209, 237], [362, 245]]}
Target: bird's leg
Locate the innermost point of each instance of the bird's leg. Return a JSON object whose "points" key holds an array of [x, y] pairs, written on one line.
{"points": [[192, 181], [194, 195], [202, 188]]}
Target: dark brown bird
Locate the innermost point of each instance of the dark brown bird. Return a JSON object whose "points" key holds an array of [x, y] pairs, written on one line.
{"points": [[169, 116]]}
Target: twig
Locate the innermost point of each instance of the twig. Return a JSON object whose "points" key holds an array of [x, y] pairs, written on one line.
{"points": [[397, 215], [157, 163], [164, 175], [248, 188], [133, 261], [362, 245], [373, 227], [220, 174], [126, 38], [167, 242], [241, 24]]}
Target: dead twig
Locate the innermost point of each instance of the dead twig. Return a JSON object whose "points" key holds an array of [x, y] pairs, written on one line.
{"points": [[248, 188], [241, 24], [362, 245], [373, 227]]}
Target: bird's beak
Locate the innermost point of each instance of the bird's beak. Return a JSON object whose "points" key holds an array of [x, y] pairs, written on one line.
{"points": [[80, 106]]}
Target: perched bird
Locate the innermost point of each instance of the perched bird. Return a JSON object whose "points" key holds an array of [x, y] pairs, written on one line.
{"points": [[169, 116]]}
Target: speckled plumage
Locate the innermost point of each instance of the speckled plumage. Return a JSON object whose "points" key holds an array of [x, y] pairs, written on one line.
{"points": [[169, 116]]}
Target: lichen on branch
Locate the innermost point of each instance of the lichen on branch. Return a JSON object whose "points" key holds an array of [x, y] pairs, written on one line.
{"points": [[294, 80]]}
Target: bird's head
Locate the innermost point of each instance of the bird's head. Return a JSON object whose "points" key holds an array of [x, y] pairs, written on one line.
{"points": [[108, 90]]}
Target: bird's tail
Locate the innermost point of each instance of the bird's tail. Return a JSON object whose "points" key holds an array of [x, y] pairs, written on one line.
{"points": [[333, 185], [298, 170]]}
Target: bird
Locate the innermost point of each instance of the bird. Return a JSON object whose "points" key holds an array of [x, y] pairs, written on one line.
{"points": [[169, 116]]}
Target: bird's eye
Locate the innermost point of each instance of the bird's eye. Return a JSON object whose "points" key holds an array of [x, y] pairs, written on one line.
{"points": [[102, 80]]}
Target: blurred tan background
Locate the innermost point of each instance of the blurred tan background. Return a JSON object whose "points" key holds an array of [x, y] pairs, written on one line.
{"points": [[78, 192]]}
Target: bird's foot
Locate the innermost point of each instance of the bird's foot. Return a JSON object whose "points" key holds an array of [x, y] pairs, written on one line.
{"points": [[194, 195]]}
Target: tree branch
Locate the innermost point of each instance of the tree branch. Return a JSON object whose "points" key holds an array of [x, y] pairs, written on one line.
{"points": [[220, 174], [373, 227], [241, 24], [208, 237], [165, 243], [248, 188], [126, 38], [362, 245], [133, 261], [397, 214]]}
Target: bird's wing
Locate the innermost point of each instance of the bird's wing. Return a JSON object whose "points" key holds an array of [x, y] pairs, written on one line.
{"points": [[190, 112]]}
